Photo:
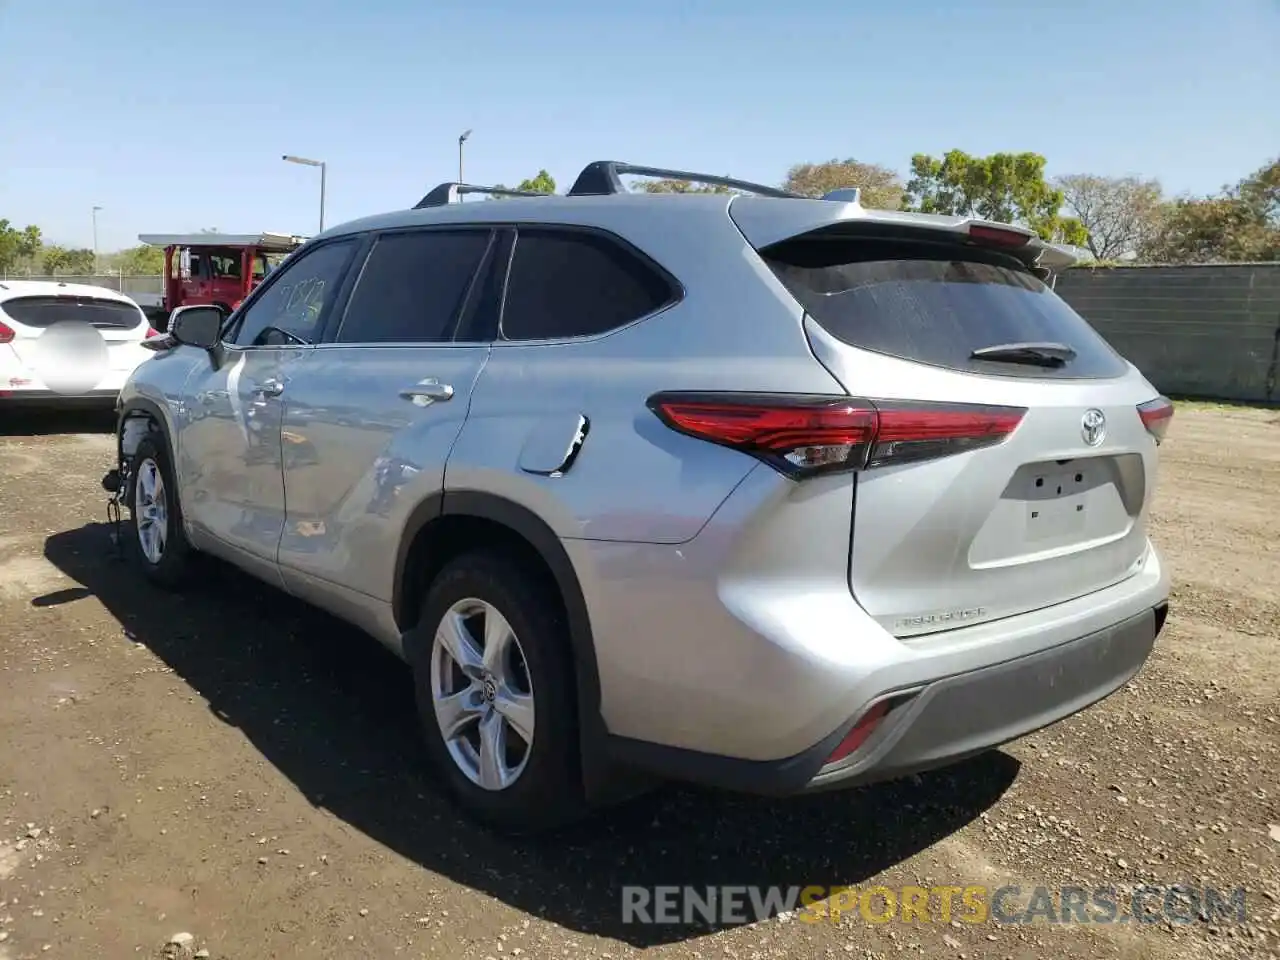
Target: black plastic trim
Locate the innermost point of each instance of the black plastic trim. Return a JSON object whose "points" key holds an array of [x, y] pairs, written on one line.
{"points": [[483, 311], [764, 777], [1162, 614], [428, 509], [602, 178]]}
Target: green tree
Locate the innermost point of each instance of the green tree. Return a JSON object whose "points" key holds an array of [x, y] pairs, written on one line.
{"points": [[1260, 192], [8, 246], [17, 245], [542, 183], [60, 260], [140, 261], [1120, 215], [1006, 187], [29, 242], [881, 187], [1240, 223], [80, 262], [679, 186], [55, 259]]}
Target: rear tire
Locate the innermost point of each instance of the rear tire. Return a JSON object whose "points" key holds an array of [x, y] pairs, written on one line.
{"points": [[158, 542], [510, 754]]}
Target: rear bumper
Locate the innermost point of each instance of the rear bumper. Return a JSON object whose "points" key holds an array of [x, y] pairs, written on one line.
{"points": [[959, 716], [938, 722]]}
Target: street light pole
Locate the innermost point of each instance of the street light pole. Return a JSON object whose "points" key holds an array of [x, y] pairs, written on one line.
{"points": [[461, 140], [323, 169], [95, 239]]}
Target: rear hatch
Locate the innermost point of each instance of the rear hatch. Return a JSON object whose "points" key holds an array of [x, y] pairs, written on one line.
{"points": [[1046, 499], [122, 325]]}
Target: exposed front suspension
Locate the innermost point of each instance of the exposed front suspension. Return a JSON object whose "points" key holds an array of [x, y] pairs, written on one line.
{"points": [[116, 483]]}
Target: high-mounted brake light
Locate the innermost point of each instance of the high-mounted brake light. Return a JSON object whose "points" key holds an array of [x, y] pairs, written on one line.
{"points": [[998, 236], [803, 435], [6, 333], [1156, 415]]}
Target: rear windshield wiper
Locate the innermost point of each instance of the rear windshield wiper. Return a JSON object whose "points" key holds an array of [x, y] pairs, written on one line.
{"points": [[1035, 354]]}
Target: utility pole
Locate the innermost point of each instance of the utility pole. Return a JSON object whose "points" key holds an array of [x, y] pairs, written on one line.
{"points": [[312, 163], [461, 140], [95, 239]]}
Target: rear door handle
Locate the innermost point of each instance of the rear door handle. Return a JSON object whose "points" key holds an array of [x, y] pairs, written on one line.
{"points": [[269, 388], [427, 391]]}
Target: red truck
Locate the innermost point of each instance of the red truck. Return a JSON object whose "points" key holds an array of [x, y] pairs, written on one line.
{"points": [[217, 268]]}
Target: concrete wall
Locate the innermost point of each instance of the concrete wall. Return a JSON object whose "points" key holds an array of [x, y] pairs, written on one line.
{"points": [[1208, 331]]}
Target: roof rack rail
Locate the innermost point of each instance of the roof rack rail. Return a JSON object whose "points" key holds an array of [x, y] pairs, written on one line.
{"points": [[602, 178], [452, 191]]}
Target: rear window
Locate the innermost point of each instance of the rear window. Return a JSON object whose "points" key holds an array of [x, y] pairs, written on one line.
{"points": [[937, 304], [46, 311]]}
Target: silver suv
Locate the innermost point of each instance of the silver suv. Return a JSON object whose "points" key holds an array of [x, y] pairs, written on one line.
{"points": [[771, 493]]}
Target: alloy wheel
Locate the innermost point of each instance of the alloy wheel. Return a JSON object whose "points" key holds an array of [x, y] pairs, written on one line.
{"points": [[482, 694], [151, 510]]}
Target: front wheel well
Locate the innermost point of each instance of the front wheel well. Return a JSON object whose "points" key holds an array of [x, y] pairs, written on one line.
{"points": [[135, 425]]}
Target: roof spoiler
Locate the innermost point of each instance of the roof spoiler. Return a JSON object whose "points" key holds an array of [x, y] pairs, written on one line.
{"points": [[603, 178], [452, 191]]}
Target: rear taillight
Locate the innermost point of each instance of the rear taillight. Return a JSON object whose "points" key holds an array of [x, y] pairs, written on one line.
{"points": [[6, 333], [804, 435], [1156, 415], [152, 332]]}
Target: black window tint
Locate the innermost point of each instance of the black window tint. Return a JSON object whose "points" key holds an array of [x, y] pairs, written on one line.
{"points": [[413, 286], [297, 298], [46, 311], [574, 284], [936, 304], [480, 318]]}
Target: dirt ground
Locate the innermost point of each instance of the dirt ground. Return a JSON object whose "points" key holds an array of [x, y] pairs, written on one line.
{"points": [[236, 767]]}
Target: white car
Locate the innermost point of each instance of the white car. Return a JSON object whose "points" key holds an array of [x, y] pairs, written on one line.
{"points": [[61, 371]]}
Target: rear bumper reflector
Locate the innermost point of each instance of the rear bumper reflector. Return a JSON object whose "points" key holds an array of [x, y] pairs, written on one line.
{"points": [[859, 732]]}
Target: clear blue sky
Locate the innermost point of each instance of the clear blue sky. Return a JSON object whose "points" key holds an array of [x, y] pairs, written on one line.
{"points": [[174, 117]]}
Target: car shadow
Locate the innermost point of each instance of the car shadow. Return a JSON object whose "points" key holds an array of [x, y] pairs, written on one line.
{"points": [[333, 711], [46, 421]]}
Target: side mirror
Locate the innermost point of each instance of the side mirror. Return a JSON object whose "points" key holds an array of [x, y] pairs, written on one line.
{"points": [[197, 326]]}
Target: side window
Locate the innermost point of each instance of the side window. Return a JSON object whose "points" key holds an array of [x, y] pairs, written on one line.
{"points": [[413, 287], [575, 284], [292, 306], [225, 266]]}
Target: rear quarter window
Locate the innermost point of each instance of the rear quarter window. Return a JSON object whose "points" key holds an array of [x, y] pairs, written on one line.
{"points": [[45, 311], [573, 283], [936, 304]]}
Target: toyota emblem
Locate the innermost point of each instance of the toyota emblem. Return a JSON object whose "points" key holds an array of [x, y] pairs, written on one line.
{"points": [[1093, 427]]}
